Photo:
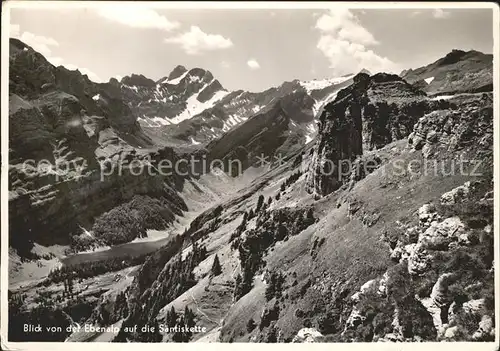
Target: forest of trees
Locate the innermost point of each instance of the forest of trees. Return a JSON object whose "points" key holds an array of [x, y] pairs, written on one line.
{"points": [[271, 227], [187, 319], [275, 285], [84, 270], [174, 279], [290, 180], [130, 220], [46, 314]]}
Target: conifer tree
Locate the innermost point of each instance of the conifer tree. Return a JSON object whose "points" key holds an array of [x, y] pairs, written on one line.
{"points": [[179, 336], [260, 201], [171, 317], [251, 325], [156, 335], [189, 317], [272, 335], [247, 279], [237, 286], [216, 267], [309, 218]]}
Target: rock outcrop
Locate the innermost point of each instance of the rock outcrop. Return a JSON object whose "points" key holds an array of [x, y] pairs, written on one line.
{"points": [[367, 115], [467, 126], [307, 335]]}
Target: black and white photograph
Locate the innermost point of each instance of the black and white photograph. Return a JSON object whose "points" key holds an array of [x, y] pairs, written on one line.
{"points": [[249, 172]]}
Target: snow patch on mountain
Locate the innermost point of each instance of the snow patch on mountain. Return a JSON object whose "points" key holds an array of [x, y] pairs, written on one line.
{"points": [[194, 79], [132, 87], [323, 83], [194, 106], [232, 121], [177, 80], [312, 130], [318, 105], [235, 101], [194, 142], [429, 80], [313, 85], [154, 121], [443, 97], [160, 120], [257, 108]]}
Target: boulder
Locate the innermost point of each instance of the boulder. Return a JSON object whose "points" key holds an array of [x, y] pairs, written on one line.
{"points": [[418, 258], [438, 301], [455, 195], [451, 333], [473, 306], [440, 234], [486, 329], [355, 318], [307, 335], [427, 214]]}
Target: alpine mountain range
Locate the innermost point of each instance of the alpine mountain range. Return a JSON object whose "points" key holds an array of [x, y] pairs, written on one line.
{"points": [[289, 251]]}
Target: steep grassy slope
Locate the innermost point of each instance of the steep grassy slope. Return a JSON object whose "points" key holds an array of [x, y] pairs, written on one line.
{"points": [[329, 262], [366, 266]]}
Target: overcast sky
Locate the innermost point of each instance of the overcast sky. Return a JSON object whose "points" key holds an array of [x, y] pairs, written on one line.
{"points": [[249, 49]]}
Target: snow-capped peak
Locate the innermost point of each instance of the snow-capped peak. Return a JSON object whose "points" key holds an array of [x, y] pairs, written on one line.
{"points": [[323, 83]]}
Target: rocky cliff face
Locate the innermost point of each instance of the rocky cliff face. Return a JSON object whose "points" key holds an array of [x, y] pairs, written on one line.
{"points": [[458, 72], [367, 115], [62, 128]]}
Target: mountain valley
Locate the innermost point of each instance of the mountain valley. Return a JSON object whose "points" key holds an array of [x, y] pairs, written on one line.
{"points": [[361, 207]]}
